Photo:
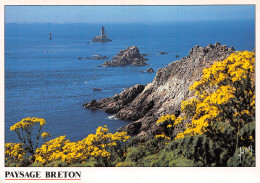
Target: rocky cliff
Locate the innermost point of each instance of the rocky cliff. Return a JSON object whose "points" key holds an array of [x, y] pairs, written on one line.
{"points": [[129, 56], [145, 104]]}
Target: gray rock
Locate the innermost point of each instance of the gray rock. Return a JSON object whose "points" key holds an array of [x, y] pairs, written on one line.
{"points": [[217, 43], [231, 48], [94, 57], [150, 70], [129, 56], [97, 89], [162, 53], [145, 54], [117, 102]]}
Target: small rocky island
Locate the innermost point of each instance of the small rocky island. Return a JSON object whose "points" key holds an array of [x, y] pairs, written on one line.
{"points": [[150, 70], [101, 38], [129, 56], [162, 53], [97, 57]]}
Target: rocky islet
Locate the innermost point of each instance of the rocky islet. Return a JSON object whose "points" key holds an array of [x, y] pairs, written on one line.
{"points": [[129, 56]]}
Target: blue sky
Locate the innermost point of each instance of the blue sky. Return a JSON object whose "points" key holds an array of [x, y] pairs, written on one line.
{"points": [[124, 14]]}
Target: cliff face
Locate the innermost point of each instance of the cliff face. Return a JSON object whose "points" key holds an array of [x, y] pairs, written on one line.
{"points": [[129, 56], [145, 104]]}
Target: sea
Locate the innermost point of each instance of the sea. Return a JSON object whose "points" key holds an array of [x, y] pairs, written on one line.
{"points": [[45, 79]]}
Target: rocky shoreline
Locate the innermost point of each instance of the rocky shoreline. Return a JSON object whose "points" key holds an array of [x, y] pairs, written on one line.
{"points": [[144, 104]]}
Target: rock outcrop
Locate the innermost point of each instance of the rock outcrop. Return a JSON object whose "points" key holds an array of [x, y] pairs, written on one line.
{"points": [[117, 102], [145, 104], [98, 57], [150, 70], [97, 89], [162, 53], [129, 56]]}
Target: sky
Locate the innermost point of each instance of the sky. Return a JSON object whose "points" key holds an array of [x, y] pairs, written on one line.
{"points": [[125, 14]]}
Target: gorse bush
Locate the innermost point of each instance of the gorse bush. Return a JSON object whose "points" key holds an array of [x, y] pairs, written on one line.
{"points": [[216, 128], [105, 147], [226, 93], [221, 114], [28, 131], [25, 130], [14, 154], [169, 124]]}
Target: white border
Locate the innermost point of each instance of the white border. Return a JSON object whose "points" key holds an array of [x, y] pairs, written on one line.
{"points": [[149, 174]]}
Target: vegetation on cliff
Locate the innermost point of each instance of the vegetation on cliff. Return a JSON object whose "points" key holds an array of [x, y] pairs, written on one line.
{"points": [[216, 127]]}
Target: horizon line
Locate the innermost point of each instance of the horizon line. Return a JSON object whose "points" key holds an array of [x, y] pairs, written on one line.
{"points": [[131, 22]]}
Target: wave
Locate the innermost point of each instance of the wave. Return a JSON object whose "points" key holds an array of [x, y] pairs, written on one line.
{"points": [[112, 117]]}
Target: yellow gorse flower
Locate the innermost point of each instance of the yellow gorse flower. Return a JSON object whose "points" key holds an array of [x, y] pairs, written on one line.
{"points": [[221, 89], [14, 152], [27, 122], [94, 145], [166, 118], [44, 135], [169, 124]]}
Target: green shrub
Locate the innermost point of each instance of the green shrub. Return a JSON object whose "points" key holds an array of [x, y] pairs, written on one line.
{"points": [[91, 162], [58, 163], [242, 158], [134, 154]]}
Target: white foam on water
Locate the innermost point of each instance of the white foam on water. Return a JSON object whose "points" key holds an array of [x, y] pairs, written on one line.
{"points": [[112, 117]]}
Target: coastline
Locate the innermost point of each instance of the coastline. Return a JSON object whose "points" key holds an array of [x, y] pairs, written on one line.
{"points": [[144, 104]]}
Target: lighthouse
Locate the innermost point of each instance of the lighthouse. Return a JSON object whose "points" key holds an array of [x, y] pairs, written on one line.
{"points": [[103, 32], [102, 37]]}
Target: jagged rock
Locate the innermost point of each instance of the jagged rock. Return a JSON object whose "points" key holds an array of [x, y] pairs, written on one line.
{"points": [[117, 102], [129, 56], [145, 54], [143, 134], [145, 104], [150, 70], [177, 56], [97, 89], [217, 44], [132, 128], [93, 103], [94, 57], [162, 53]]}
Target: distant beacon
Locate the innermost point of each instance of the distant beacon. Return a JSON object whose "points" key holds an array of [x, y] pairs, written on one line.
{"points": [[101, 38]]}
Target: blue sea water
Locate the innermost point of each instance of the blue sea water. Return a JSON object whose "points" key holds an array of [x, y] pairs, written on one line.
{"points": [[44, 78]]}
